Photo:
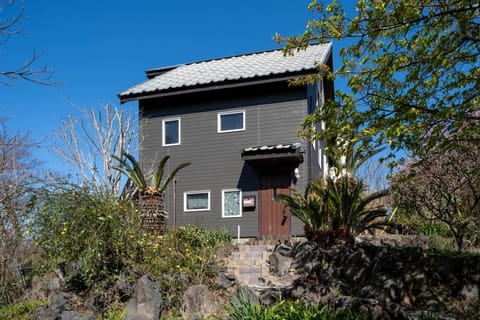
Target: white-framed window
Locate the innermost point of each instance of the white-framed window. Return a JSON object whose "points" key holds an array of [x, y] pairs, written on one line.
{"points": [[231, 203], [171, 132], [231, 121], [196, 201]]}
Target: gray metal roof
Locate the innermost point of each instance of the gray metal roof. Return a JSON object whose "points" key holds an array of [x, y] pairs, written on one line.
{"points": [[269, 155], [272, 148], [237, 68]]}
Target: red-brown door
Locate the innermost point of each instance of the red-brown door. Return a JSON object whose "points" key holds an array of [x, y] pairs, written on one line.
{"points": [[275, 219]]}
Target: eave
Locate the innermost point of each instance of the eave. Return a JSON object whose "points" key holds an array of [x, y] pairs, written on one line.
{"points": [[215, 86]]}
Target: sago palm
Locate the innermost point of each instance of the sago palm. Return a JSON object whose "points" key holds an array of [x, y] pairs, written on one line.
{"points": [[337, 208], [151, 201], [352, 210], [310, 208], [131, 168]]}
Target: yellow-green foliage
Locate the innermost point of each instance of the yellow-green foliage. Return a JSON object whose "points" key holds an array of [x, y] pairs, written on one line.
{"points": [[20, 310], [182, 257], [114, 315], [99, 231], [105, 236]]}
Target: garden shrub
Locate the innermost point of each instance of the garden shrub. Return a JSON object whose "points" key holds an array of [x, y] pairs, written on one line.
{"points": [[103, 235], [245, 306], [114, 315], [98, 232], [433, 228], [182, 257], [20, 310]]}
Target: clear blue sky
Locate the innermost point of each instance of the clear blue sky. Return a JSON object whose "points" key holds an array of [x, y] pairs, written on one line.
{"points": [[100, 48]]}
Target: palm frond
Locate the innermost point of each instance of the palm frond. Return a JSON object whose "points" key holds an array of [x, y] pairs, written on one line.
{"points": [[131, 169], [172, 175], [158, 175]]}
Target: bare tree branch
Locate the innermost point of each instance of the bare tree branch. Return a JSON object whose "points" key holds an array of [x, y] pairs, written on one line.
{"points": [[87, 144], [16, 172], [26, 71]]}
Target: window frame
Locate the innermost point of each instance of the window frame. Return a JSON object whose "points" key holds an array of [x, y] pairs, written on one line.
{"points": [[164, 144], [219, 121], [239, 203], [185, 195]]}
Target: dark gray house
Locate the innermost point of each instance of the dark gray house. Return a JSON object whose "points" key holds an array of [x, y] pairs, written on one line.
{"points": [[235, 119]]}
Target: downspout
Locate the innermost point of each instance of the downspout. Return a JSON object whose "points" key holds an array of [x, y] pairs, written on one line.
{"points": [[309, 144]]}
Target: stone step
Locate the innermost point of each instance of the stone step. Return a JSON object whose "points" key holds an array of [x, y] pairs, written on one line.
{"points": [[249, 264]]}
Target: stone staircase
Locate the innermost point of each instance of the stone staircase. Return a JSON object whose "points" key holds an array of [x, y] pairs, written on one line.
{"points": [[249, 263]]}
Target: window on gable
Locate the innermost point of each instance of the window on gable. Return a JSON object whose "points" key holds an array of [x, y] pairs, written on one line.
{"points": [[196, 201], [231, 121], [231, 203], [171, 132]]}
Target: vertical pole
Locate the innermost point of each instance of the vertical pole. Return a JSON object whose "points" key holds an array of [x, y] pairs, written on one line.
{"points": [[174, 203], [238, 234]]}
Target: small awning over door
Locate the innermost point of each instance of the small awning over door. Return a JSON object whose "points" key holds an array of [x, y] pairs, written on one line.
{"points": [[285, 155]]}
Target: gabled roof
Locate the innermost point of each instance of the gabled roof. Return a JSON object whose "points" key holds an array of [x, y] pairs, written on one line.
{"points": [[236, 69]]}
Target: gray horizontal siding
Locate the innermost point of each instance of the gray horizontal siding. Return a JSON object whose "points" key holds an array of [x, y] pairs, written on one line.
{"points": [[216, 157]]}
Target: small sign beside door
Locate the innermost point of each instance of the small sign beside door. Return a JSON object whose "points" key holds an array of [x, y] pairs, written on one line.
{"points": [[249, 202]]}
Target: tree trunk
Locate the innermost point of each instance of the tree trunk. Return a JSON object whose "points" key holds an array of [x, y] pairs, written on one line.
{"points": [[153, 212]]}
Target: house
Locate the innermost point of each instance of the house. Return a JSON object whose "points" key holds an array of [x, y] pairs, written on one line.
{"points": [[236, 120]]}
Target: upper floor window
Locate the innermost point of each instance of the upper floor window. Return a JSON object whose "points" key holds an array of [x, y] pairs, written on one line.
{"points": [[231, 121], [171, 132]]}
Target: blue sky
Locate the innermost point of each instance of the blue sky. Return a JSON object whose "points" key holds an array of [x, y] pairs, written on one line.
{"points": [[99, 48]]}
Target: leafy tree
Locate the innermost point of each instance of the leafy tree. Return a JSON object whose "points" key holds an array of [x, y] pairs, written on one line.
{"points": [[27, 70], [412, 68], [443, 187]]}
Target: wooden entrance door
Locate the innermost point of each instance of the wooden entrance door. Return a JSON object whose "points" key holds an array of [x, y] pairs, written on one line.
{"points": [[275, 218]]}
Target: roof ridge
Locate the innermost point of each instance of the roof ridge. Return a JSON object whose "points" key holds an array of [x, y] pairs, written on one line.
{"points": [[171, 67]]}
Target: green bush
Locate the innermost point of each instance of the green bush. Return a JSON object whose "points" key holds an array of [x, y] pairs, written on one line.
{"points": [[114, 315], [184, 256], [99, 232], [433, 228], [19, 311], [104, 236], [245, 306], [298, 311]]}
